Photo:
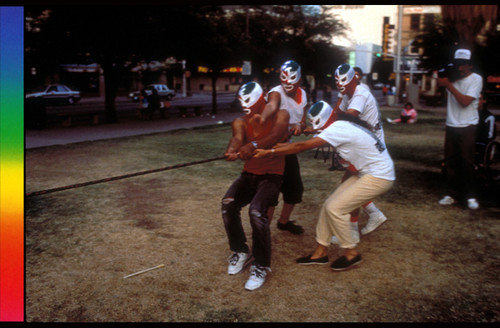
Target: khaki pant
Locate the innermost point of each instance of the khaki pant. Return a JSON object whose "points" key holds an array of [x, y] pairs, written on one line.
{"points": [[334, 218]]}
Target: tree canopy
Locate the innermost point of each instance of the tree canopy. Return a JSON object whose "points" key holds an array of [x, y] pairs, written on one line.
{"points": [[468, 26], [119, 37]]}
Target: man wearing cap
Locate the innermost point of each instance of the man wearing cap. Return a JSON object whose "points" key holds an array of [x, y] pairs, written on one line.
{"points": [[462, 118]]}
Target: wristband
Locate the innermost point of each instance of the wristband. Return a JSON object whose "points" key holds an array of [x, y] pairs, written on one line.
{"points": [[254, 143]]}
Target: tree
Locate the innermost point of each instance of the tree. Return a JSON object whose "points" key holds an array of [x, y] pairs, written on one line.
{"points": [[469, 26], [119, 36], [471, 22], [109, 35], [216, 44], [279, 33]]}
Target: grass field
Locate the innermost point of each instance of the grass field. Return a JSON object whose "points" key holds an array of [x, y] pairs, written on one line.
{"points": [[427, 263]]}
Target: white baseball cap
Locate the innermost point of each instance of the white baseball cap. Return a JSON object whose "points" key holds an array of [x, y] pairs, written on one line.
{"points": [[462, 54]]}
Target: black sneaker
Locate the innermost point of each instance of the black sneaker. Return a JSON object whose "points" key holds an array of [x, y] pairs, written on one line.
{"points": [[291, 226], [342, 263], [306, 260]]}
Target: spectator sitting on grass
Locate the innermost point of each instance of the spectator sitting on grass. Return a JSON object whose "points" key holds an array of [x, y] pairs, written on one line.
{"points": [[408, 115]]}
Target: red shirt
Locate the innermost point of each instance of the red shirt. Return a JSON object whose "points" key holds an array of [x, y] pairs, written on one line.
{"points": [[261, 166]]}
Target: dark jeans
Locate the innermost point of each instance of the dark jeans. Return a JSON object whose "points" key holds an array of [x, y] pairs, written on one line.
{"points": [[261, 192], [459, 160], [292, 187]]}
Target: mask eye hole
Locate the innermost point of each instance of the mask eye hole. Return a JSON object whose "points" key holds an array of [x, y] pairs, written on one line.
{"points": [[316, 122], [247, 100], [344, 79]]}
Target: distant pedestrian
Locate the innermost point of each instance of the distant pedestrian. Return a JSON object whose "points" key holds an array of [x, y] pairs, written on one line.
{"points": [[154, 100], [385, 89]]}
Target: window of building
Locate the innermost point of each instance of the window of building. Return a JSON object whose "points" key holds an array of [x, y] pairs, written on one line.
{"points": [[415, 22], [428, 21]]}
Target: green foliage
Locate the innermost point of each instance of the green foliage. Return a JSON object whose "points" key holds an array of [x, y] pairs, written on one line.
{"points": [[205, 35], [440, 40]]}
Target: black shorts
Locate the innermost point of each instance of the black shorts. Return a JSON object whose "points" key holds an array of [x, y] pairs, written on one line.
{"points": [[292, 187]]}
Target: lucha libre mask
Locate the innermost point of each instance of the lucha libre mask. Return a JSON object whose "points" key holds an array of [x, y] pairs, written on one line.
{"points": [[343, 76], [251, 97], [290, 75], [319, 114]]}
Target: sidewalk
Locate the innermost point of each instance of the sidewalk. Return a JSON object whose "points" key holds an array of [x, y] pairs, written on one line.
{"points": [[125, 128], [132, 127]]}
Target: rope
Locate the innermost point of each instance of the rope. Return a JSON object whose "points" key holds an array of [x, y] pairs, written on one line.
{"points": [[79, 185]]}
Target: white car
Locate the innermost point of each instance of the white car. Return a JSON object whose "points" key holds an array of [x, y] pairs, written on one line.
{"points": [[163, 91], [55, 94]]}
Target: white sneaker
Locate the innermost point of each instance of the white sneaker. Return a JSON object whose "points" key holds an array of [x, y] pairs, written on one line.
{"points": [[354, 231], [258, 275], [472, 203], [447, 200], [236, 262], [374, 221]]}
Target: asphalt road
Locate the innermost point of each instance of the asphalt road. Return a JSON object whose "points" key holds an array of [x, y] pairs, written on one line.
{"points": [[125, 105]]}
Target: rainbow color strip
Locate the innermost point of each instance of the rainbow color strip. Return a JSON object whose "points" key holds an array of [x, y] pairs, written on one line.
{"points": [[11, 164]]}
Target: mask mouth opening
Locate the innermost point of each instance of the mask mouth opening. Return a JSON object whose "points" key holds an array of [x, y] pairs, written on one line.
{"points": [[247, 111], [288, 87], [316, 123]]}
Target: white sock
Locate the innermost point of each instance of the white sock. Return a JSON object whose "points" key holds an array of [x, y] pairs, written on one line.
{"points": [[371, 208], [354, 225]]}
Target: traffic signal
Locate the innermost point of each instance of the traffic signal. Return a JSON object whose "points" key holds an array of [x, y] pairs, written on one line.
{"points": [[388, 40], [391, 42]]}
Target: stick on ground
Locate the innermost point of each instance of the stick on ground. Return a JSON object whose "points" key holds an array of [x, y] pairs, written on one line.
{"points": [[143, 271]]}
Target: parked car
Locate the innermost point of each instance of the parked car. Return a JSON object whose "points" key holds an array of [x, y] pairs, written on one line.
{"points": [[55, 94], [163, 91]]}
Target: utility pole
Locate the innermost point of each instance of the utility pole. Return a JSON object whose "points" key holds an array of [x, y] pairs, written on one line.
{"points": [[398, 52], [183, 62]]}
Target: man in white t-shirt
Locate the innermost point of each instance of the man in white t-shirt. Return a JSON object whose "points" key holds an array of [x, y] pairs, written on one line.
{"points": [[291, 97], [360, 103], [356, 99], [353, 140], [462, 118]]}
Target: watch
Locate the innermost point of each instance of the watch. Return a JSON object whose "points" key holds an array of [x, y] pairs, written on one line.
{"points": [[254, 143]]}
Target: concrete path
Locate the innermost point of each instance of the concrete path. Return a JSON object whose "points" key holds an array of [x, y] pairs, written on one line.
{"points": [[130, 127], [52, 136]]}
